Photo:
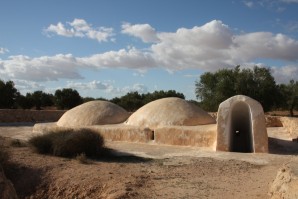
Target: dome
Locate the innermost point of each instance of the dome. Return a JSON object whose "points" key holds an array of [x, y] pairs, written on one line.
{"points": [[93, 113], [169, 112]]}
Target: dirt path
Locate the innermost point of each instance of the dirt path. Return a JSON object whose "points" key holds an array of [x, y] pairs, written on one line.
{"points": [[160, 172]]}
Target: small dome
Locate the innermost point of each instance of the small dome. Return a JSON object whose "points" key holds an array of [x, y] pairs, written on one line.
{"points": [[93, 113], [169, 111]]}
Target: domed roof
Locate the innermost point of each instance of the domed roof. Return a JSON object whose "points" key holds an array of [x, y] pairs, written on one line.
{"points": [[169, 111], [93, 113]]}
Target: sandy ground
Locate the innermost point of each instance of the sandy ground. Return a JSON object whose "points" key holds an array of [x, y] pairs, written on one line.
{"points": [[146, 171]]}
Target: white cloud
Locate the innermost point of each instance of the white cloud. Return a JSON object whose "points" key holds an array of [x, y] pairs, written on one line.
{"points": [[203, 47], [143, 31], [80, 28], [89, 85], [43, 68], [285, 74], [137, 87], [3, 50], [249, 4], [123, 58], [264, 45], [27, 86]]}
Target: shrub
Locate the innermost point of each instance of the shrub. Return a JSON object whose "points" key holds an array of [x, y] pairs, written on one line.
{"points": [[69, 143]]}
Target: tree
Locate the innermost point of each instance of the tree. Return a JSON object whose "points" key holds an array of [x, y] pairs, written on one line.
{"points": [[257, 83], [130, 102], [149, 97], [25, 102], [67, 98], [133, 100], [213, 88], [9, 94], [289, 96]]}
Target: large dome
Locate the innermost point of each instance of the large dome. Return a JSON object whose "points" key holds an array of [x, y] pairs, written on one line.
{"points": [[93, 113], [169, 111]]}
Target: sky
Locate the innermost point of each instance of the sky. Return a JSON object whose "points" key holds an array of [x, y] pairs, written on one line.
{"points": [[106, 48]]}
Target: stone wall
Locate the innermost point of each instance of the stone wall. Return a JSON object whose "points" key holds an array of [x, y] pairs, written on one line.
{"points": [[19, 115]]}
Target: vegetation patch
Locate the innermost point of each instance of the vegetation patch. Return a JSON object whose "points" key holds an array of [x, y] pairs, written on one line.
{"points": [[69, 143]]}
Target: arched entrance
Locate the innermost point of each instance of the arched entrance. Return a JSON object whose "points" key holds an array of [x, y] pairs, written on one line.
{"points": [[240, 135], [241, 126]]}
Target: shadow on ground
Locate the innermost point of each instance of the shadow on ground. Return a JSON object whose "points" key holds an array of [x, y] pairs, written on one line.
{"points": [[24, 179], [112, 155], [282, 147]]}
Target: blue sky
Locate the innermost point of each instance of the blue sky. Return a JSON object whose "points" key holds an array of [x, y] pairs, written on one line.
{"points": [[106, 48]]}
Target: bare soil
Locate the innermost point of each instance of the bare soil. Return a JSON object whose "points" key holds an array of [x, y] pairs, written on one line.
{"points": [[157, 172]]}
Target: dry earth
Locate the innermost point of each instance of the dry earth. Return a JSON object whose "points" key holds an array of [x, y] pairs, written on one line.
{"points": [[143, 171]]}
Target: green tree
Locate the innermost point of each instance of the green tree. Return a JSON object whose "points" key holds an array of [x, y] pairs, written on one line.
{"points": [[213, 88], [25, 102], [130, 102], [289, 96], [258, 83], [133, 100], [149, 97], [67, 98], [8, 94]]}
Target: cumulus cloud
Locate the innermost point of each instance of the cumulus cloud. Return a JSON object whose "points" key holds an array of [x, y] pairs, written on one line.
{"points": [[80, 28], [125, 58], [43, 68], [3, 50], [143, 31], [265, 45], [200, 47]]}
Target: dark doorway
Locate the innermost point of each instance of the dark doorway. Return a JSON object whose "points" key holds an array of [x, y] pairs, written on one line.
{"points": [[241, 139]]}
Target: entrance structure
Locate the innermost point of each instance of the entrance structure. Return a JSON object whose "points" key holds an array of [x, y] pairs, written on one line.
{"points": [[241, 126]]}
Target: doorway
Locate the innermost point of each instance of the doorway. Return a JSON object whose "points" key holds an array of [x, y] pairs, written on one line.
{"points": [[241, 138]]}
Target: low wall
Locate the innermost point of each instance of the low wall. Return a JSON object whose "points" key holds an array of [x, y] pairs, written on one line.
{"points": [[19, 115], [200, 136]]}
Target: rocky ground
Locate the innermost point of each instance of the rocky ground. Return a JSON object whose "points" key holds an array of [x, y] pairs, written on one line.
{"points": [[142, 171]]}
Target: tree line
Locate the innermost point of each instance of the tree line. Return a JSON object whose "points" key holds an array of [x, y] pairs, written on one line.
{"points": [[257, 83], [211, 89], [68, 98]]}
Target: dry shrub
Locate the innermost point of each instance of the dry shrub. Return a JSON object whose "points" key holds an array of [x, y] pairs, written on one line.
{"points": [[69, 143]]}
